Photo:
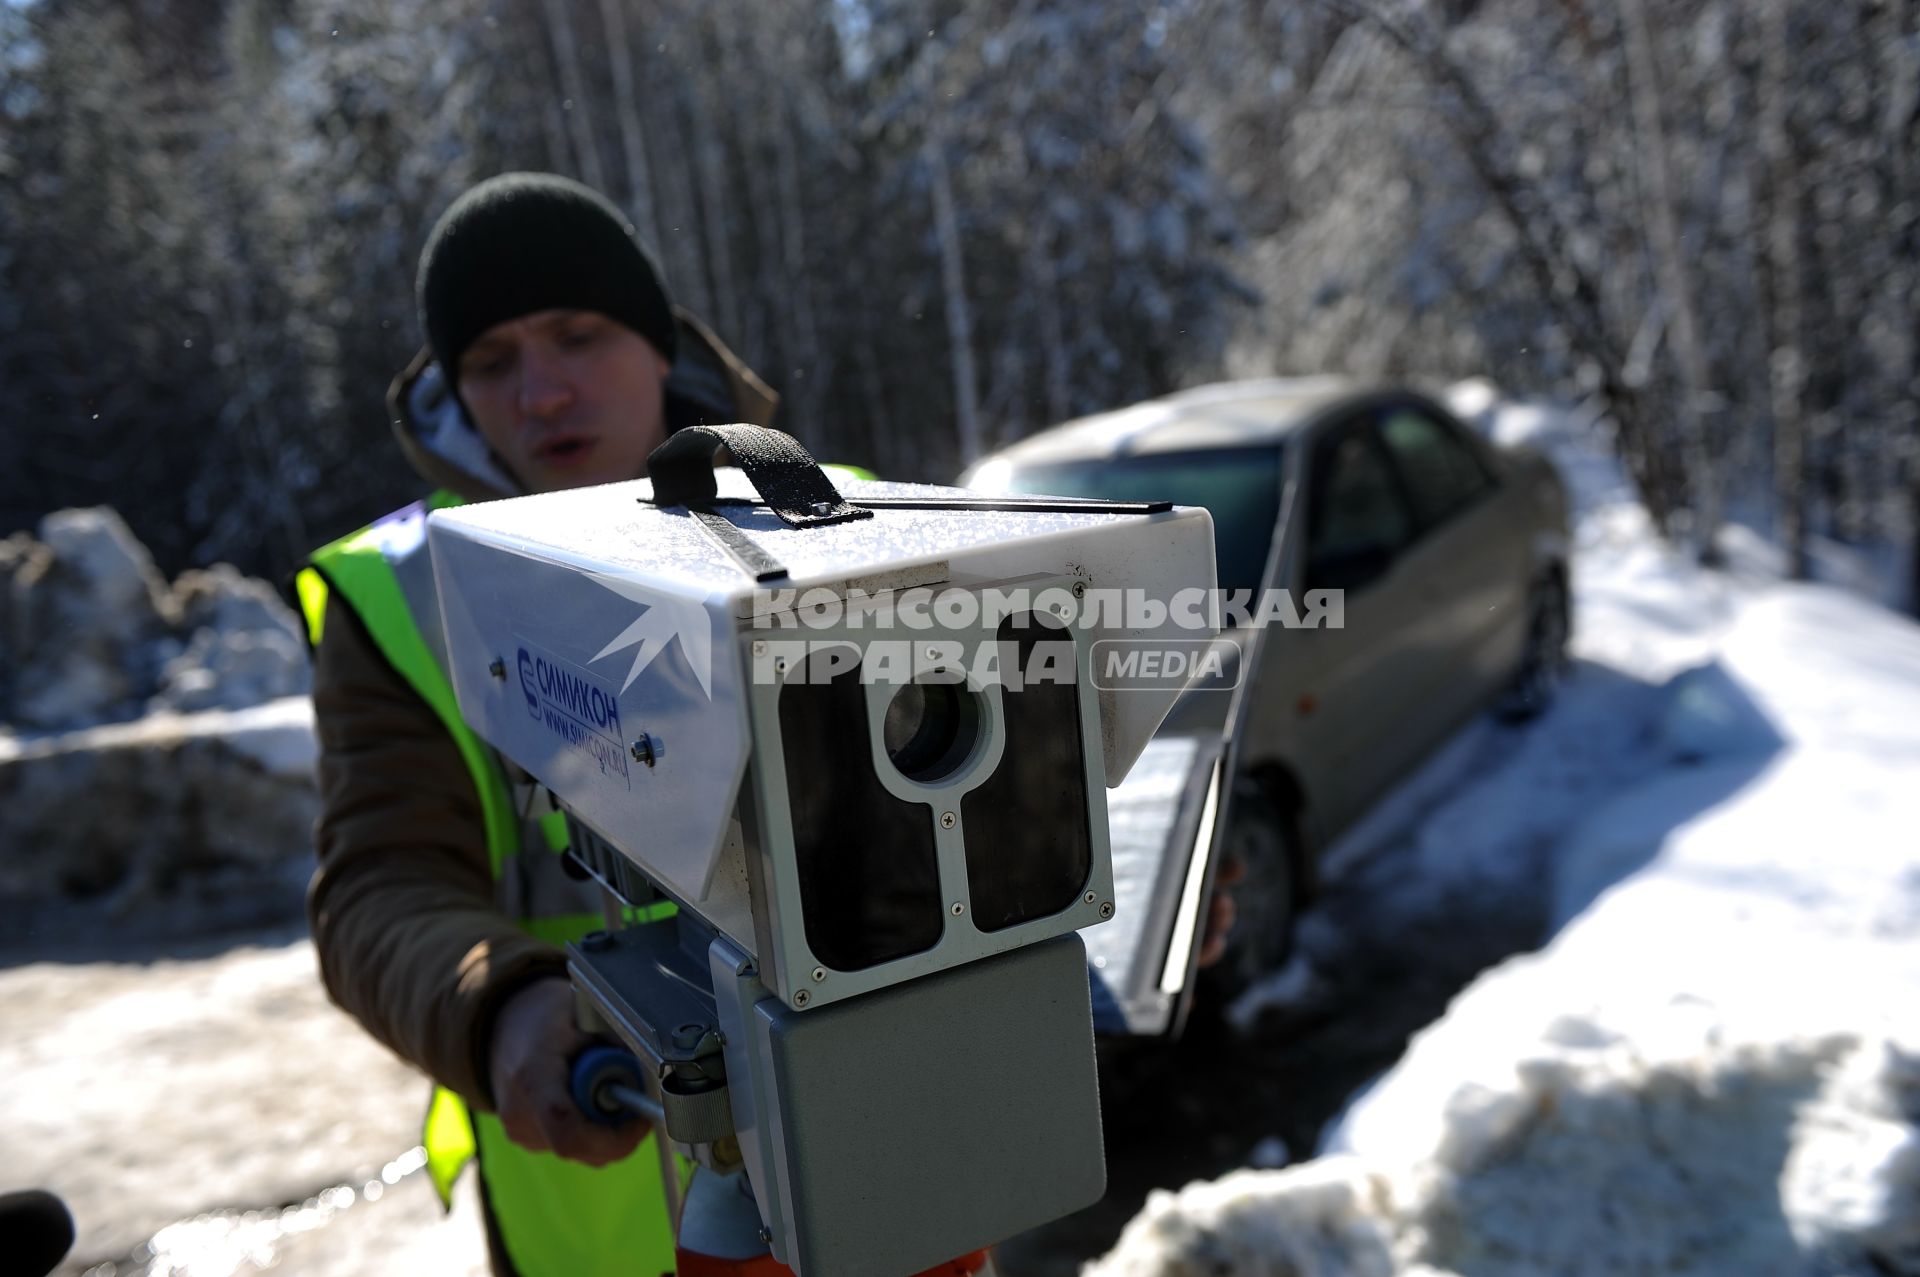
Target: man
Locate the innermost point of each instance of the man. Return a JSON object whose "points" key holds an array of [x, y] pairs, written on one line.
{"points": [[555, 359]]}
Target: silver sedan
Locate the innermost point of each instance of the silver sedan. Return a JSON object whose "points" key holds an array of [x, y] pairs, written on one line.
{"points": [[1452, 555]]}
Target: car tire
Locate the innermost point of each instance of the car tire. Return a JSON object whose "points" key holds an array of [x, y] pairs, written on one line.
{"points": [[1266, 900], [1543, 661]]}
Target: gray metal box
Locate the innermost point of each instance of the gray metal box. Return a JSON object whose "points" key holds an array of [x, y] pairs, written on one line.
{"points": [[925, 1121]]}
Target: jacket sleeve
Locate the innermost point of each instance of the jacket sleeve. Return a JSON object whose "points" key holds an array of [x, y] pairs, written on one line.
{"points": [[409, 940]]}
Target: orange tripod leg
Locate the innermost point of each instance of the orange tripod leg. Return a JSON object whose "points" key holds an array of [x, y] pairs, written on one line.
{"points": [[690, 1264], [693, 1264]]}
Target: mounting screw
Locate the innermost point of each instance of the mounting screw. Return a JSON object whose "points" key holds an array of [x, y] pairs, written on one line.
{"points": [[933, 653], [819, 973], [1079, 589], [958, 908], [498, 669], [946, 820], [649, 749], [596, 941], [801, 998], [759, 649], [1106, 909], [1090, 897]]}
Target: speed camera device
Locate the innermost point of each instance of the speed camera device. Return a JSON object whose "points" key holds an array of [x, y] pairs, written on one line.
{"points": [[855, 736]]}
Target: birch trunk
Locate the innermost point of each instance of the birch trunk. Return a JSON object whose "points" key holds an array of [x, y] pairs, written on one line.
{"points": [[1675, 279], [953, 281], [808, 353], [1903, 137], [884, 446], [1053, 342], [677, 206], [1787, 360], [566, 53], [555, 131], [633, 136], [710, 169], [770, 323]]}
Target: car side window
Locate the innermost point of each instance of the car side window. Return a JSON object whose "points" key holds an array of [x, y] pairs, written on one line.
{"points": [[1441, 474], [1356, 518]]}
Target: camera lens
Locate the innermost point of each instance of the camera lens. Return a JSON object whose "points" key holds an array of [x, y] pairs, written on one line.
{"points": [[929, 730]]}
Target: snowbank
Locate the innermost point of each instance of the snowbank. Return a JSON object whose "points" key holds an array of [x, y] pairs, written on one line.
{"points": [[1714, 1066], [91, 632], [156, 740], [161, 816]]}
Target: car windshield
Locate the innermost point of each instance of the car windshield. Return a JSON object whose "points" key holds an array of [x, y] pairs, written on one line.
{"points": [[1240, 487]]}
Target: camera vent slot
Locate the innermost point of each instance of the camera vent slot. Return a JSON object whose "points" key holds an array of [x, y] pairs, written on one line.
{"points": [[606, 866], [1029, 845], [869, 876]]}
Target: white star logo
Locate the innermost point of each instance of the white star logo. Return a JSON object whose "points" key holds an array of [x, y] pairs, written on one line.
{"points": [[664, 620]]}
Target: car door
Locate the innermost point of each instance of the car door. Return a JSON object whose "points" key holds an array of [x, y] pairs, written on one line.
{"points": [[1349, 684], [1468, 564]]}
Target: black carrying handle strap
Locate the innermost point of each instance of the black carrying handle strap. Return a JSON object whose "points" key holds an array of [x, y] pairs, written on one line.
{"points": [[785, 475]]}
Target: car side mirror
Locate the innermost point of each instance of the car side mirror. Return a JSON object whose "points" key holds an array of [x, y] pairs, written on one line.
{"points": [[1349, 569]]}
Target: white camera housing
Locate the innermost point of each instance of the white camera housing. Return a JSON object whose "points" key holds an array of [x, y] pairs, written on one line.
{"points": [[615, 650]]}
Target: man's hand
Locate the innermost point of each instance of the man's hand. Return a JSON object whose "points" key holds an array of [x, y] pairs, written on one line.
{"points": [[534, 1039], [1221, 909]]}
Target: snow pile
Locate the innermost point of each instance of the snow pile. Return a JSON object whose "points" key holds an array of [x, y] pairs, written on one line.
{"points": [[156, 738], [1663, 1146], [172, 819], [91, 632], [1714, 1067]]}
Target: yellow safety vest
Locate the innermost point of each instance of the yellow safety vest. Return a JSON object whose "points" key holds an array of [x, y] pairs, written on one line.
{"points": [[557, 1218]]}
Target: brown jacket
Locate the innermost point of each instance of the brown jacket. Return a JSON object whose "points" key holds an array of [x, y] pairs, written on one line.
{"points": [[402, 904]]}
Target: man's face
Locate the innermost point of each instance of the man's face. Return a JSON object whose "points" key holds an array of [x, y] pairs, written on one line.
{"points": [[565, 398]]}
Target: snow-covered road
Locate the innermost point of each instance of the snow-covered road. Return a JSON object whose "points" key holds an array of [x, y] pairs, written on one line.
{"points": [[205, 1112], [1714, 1065]]}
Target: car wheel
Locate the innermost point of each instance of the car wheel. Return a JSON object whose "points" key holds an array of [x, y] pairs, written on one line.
{"points": [[1543, 662], [1265, 901]]}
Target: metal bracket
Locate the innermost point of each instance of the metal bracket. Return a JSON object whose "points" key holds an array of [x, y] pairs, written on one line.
{"points": [[644, 986]]}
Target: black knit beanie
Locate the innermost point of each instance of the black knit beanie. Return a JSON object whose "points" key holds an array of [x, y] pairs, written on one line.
{"points": [[526, 242]]}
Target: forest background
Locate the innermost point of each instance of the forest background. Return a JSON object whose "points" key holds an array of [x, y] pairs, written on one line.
{"points": [[937, 226]]}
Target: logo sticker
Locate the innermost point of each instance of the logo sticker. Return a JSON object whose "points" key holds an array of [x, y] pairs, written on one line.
{"points": [[527, 683], [574, 707]]}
